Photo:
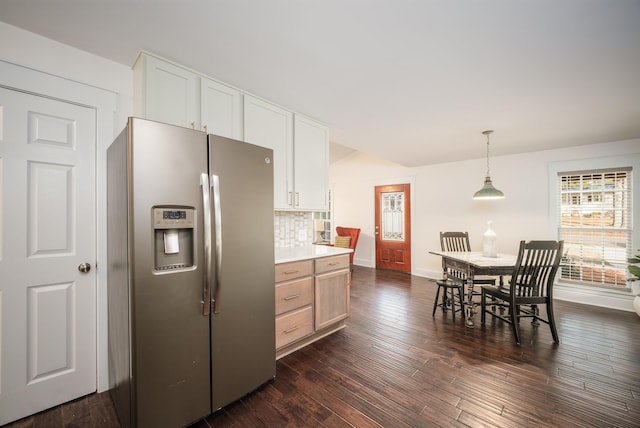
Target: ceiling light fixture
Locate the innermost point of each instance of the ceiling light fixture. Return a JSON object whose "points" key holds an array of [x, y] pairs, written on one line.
{"points": [[488, 191]]}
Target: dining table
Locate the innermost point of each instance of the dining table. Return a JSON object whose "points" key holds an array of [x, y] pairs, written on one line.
{"points": [[472, 264]]}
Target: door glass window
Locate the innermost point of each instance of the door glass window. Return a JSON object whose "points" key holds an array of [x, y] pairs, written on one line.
{"points": [[393, 216]]}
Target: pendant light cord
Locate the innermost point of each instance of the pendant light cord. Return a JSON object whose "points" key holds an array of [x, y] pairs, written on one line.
{"points": [[487, 133]]}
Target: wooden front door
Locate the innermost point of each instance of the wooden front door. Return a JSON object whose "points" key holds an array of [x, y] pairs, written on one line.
{"points": [[393, 227]]}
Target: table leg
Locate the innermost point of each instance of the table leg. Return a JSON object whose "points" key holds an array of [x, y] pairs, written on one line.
{"points": [[469, 309]]}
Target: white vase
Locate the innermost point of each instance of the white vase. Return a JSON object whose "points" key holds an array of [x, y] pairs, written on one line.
{"points": [[489, 242], [636, 304]]}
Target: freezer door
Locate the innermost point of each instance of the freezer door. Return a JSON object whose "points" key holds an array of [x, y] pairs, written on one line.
{"points": [[243, 315], [171, 352]]}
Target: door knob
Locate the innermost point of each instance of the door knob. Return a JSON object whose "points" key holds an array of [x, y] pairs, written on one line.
{"points": [[84, 267]]}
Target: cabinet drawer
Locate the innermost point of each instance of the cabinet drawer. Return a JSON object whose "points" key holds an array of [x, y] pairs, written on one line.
{"points": [[327, 264], [294, 294], [293, 270], [293, 326]]}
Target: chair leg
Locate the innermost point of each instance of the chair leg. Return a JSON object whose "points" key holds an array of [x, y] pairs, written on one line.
{"points": [[552, 322], [448, 301], [483, 306], [513, 316], [435, 302], [536, 313], [445, 299], [461, 296], [453, 304]]}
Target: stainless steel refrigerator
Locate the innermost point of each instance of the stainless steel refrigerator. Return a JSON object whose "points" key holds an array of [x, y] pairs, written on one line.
{"points": [[190, 272]]}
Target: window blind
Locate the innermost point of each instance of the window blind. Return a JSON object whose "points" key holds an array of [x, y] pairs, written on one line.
{"points": [[595, 212]]}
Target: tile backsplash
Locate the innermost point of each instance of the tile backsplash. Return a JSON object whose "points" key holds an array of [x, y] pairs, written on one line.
{"points": [[293, 229]]}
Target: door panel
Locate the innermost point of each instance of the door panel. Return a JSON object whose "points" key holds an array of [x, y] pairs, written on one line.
{"points": [[393, 227], [47, 229], [46, 207], [243, 320], [47, 304]]}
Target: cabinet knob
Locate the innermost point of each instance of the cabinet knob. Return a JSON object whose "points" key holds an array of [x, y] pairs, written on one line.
{"points": [[193, 125], [205, 129]]}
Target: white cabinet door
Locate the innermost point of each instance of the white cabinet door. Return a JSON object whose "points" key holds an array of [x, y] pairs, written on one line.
{"points": [[167, 93], [270, 126], [311, 164], [221, 109]]}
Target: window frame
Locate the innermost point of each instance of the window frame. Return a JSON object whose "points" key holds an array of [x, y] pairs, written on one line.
{"points": [[593, 255], [582, 166]]}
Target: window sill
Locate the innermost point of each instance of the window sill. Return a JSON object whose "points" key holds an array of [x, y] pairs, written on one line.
{"points": [[588, 295]]}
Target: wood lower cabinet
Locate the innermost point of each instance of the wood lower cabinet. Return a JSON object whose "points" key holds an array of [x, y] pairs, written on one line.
{"points": [[294, 301], [293, 326], [332, 281], [312, 301]]}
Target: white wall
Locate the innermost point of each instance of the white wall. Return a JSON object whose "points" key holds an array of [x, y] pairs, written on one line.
{"points": [[353, 179], [110, 91], [33, 51], [442, 200]]}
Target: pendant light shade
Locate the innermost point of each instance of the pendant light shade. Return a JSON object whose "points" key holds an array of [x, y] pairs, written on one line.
{"points": [[488, 191]]}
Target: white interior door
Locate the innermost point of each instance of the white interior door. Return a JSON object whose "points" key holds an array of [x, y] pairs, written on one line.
{"points": [[47, 230]]}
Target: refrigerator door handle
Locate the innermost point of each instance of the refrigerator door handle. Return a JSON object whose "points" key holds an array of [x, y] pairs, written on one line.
{"points": [[206, 208], [217, 224]]}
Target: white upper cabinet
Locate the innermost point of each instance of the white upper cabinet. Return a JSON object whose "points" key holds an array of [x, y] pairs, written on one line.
{"points": [[268, 125], [166, 93], [300, 154], [169, 93], [311, 164], [221, 109]]}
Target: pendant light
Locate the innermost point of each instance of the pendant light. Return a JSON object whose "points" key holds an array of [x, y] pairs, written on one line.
{"points": [[488, 191]]}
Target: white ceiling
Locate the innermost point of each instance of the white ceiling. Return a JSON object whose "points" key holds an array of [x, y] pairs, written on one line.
{"points": [[413, 81]]}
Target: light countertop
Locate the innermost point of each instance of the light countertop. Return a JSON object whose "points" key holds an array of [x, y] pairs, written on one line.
{"points": [[294, 254]]}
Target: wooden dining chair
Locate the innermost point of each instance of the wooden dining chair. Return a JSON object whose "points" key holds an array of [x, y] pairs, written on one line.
{"points": [[531, 285], [450, 300], [453, 286], [455, 241], [459, 241]]}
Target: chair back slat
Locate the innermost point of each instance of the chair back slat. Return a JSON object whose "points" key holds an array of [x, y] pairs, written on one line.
{"points": [[455, 241], [531, 285], [536, 268]]}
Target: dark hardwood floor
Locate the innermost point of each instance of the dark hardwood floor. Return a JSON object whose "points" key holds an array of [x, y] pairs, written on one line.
{"points": [[395, 365]]}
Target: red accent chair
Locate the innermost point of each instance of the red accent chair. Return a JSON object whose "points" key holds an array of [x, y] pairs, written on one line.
{"points": [[354, 233]]}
